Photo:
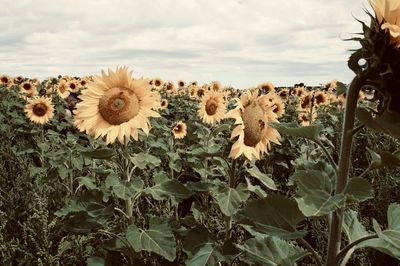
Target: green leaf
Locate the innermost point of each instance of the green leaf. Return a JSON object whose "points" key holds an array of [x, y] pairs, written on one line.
{"points": [[158, 239], [220, 128], [195, 238], [314, 193], [255, 189], [123, 189], [271, 251], [384, 159], [87, 181], [208, 255], [99, 153], [264, 178], [275, 215], [352, 226], [292, 129], [167, 189], [229, 199], [359, 189], [143, 160]]}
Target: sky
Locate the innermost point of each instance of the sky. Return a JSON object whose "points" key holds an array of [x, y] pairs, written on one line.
{"points": [[241, 43]]}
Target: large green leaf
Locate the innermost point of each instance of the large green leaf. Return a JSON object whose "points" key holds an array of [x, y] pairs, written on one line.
{"points": [[196, 238], [207, 255], [359, 189], [389, 239], [168, 188], [274, 215], [229, 199], [293, 129], [314, 193], [158, 239], [271, 251], [143, 160], [123, 189], [264, 178]]}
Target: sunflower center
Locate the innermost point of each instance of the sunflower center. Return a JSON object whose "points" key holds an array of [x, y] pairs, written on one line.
{"points": [[27, 86], [157, 83], [319, 99], [118, 105], [39, 109], [72, 86], [211, 107], [178, 128], [4, 80], [254, 124]]}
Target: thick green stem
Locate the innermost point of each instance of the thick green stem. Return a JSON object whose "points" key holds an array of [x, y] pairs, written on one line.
{"points": [[127, 173], [346, 249], [335, 230]]}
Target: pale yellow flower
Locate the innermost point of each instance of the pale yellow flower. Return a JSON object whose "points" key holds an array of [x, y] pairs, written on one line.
{"points": [[388, 14], [39, 110]]}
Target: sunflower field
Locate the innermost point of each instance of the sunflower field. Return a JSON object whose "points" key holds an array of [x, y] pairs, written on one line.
{"points": [[118, 170]]}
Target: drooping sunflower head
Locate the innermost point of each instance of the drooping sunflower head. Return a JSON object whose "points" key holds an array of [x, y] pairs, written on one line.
{"points": [[116, 106], [253, 132], [179, 130], [39, 110], [212, 107]]}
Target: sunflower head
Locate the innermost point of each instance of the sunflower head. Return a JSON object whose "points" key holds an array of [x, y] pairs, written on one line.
{"points": [[253, 132], [321, 98], [266, 87], [157, 82], [4, 80], [179, 130], [164, 104], [39, 110], [212, 107], [181, 83], [117, 106]]}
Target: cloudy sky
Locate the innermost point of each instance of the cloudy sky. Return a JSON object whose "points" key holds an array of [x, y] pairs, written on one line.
{"points": [[238, 42]]}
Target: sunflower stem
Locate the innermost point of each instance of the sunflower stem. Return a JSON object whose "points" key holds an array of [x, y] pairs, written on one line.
{"points": [[126, 172], [335, 230]]}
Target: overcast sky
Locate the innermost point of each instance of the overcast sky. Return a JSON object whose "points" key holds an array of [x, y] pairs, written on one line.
{"points": [[238, 42]]}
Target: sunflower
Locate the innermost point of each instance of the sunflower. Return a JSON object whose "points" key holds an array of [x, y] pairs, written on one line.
{"points": [[82, 82], [215, 86], [192, 90], [27, 89], [253, 132], [179, 130], [274, 102], [169, 87], [298, 91], [266, 87], [163, 104], [5, 80], [73, 86], [157, 82], [181, 83], [18, 80], [388, 15], [200, 92], [321, 98], [194, 83], [305, 118], [212, 107], [306, 101], [115, 105], [63, 89], [39, 110]]}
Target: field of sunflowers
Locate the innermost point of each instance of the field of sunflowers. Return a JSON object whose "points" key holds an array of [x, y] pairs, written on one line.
{"points": [[114, 170], [119, 170]]}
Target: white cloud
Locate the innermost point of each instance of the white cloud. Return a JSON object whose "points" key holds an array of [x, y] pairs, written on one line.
{"points": [[240, 43]]}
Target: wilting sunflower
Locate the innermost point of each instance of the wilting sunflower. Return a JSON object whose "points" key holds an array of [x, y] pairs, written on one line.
{"points": [[116, 105], [39, 110], [63, 89], [28, 89], [212, 107], [266, 87], [179, 130], [253, 132], [164, 104]]}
